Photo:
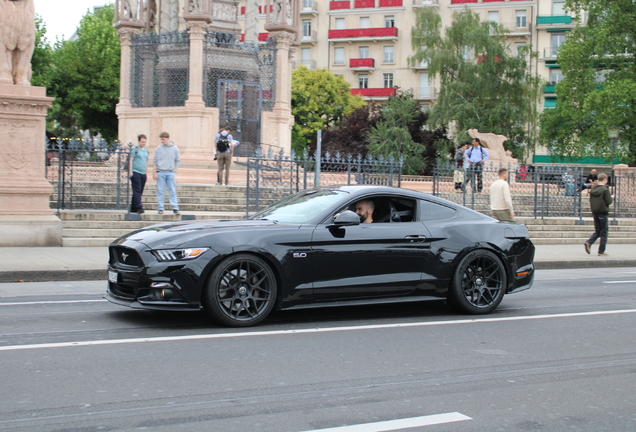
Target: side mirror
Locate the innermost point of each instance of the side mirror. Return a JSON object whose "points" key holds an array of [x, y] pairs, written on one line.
{"points": [[345, 218]]}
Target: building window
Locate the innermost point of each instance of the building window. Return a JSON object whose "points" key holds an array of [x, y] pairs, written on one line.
{"points": [[363, 81], [556, 76], [558, 8], [363, 52], [338, 56], [365, 22], [340, 24], [389, 21], [493, 16], [466, 53], [388, 54], [556, 40], [388, 80], [521, 20], [306, 28], [518, 46]]}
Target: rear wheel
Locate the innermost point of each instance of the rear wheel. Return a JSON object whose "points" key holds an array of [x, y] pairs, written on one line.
{"points": [[241, 291], [478, 284]]}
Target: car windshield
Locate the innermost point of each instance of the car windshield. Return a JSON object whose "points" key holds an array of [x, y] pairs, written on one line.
{"points": [[300, 207]]}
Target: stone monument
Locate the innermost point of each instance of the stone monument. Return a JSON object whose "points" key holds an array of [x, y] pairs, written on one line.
{"points": [[26, 218], [494, 144]]}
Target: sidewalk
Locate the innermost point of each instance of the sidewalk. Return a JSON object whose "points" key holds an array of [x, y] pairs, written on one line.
{"points": [[45, 264]]}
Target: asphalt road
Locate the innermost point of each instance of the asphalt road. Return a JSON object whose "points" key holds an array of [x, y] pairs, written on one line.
{"points": [[558, 357]]}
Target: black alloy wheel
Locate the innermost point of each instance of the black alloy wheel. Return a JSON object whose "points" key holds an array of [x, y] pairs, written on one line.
{"points": [[478, 284], [241, 291]]}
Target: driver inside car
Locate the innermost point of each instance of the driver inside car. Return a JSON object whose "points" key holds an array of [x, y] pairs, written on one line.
{"points": [[364, 209]]}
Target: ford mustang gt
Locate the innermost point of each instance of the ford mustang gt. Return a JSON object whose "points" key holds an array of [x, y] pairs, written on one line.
{"points": [[312, 249]]}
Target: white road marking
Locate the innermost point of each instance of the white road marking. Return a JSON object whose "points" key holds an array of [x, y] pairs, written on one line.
{"points": [[617, 282], [393, 425], [51, 302], [309, 330]]}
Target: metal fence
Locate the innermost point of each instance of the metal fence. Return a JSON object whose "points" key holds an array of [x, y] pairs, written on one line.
{"points": [[88, 174], [239, 79], [537, 191], [272, 176], [160, 69]]}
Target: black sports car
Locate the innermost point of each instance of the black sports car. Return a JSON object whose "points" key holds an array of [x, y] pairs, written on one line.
{"points": [[311, 249]]}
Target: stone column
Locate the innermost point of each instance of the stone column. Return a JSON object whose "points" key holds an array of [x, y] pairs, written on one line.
{"points": [[26, 218], [196, 29]]}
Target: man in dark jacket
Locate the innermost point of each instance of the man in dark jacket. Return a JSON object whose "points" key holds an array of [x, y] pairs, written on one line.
{"points": [[600, 200]]}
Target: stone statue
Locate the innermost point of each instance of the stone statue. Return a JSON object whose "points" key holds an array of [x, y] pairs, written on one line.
{"points": [[224, 12], [195, 6], [283, 16], [494, 144], [131, 9], [17, 39], [169, 20]]}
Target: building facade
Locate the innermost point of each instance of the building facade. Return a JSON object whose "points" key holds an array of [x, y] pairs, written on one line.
{"points": [[368, 42]]}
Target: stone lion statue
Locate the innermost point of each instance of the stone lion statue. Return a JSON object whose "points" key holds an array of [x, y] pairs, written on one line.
{"points": [[17, 40], [494, 144]]}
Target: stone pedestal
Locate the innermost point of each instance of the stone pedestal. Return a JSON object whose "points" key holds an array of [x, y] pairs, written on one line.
{"points": [[25, 216]]}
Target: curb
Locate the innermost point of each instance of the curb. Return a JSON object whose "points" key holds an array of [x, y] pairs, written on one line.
{"points": [[100, 274]]}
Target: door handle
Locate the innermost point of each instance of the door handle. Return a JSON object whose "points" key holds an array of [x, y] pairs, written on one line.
{"points": [[415, 238]]}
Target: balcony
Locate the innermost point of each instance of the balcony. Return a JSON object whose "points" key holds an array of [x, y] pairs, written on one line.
{"points": [[366, 34], [363, 4], [515, 29], [549, 88], [463, 1], [374, 93], [262, 37], [554, 19], [362, 63], [422, 3], [421, 65], [550, 53], [309, 7], [339, 4], [310, 38], [390, 3], [424, 93]]}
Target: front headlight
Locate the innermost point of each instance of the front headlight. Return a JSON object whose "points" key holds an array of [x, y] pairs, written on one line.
{"points": [[178, 254]]}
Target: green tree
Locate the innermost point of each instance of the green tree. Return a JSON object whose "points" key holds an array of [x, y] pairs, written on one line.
{"points": [[42, 55], [85, 77], [319, 100], [598, 91], [483, 85]]}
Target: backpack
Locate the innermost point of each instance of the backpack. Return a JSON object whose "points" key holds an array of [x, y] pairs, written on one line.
{"points": [[470, 152], [223, 144]]}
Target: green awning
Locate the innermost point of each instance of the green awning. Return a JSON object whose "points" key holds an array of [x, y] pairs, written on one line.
{"points": [[550, 103]]}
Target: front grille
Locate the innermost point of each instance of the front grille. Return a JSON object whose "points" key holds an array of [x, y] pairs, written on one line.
{"points": [[122, 291], [124, 256]]}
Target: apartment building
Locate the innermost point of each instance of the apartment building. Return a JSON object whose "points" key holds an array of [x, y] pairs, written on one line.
{"points": [[368, 42]]}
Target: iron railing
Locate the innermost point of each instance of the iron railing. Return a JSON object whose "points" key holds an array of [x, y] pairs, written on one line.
{"points": [[272, 176], [88, 174]]}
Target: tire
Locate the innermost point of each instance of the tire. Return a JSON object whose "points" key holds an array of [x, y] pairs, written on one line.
{"points": [[478, 284], [241, 291]]}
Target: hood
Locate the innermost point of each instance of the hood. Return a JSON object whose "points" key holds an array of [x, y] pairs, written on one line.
{"points": [[175, 234], [597, 191]]}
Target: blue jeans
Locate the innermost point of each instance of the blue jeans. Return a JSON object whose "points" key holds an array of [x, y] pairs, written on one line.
{"points": [[166, 179]]}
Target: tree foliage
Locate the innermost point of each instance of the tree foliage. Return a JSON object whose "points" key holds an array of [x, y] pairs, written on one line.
{"points": [[484, 85], [42, 56], [85, 77], [598, 91], [396, 129], [319, 100]]}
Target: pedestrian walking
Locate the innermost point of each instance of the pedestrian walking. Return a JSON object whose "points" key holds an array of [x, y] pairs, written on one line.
{"points": [[167, 159], [474, 159], [137, 165], [500, 198], [223, 154], [600, 200]]}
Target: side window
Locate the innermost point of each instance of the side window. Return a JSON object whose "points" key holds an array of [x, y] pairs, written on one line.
{"points": [[387, 209], [430, 211]]}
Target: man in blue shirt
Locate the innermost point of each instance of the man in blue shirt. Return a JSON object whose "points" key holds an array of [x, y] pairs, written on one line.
{"points": [[137, 173], [474, 159]]}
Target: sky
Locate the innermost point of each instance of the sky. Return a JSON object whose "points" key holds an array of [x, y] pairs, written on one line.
{"points": [[63, 17]]}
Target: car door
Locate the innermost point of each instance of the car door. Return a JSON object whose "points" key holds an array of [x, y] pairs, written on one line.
{"points": [[382, 259]]}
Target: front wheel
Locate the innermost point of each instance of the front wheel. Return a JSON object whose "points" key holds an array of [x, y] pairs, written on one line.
{"points": [[241, 291], [478, 284]]}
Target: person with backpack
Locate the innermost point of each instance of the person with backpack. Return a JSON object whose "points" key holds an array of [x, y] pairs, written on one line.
{"points": [[458, 175], [223, 154], [474, 159], [137, 164]]}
